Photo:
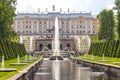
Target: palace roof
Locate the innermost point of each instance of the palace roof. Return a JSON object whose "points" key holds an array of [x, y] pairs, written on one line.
{"points": [[54, 14]]}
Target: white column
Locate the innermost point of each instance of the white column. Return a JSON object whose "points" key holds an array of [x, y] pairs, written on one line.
{"points": [[31, 41], [21, 39]]}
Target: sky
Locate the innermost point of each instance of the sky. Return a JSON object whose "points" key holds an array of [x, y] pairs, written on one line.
{"points": [[95, 6]]}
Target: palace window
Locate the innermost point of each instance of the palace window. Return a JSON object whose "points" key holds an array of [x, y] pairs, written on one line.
{"points": [[67, 31], [26, 32], [80, 26], [18, 31], [88, 31], [29, 21], [26, 26], [83, 31], [45, 22], [80, 21], [80, 31], [62, 22]]}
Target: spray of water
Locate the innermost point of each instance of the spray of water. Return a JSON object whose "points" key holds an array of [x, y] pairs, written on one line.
{"points": [[56, 51], [89, 41], [18, 59], [2, 62]]}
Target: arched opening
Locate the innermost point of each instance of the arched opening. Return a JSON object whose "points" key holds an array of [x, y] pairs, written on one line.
{"points": [[68, 45], [49, 46], [40, 47], [61, 46]]}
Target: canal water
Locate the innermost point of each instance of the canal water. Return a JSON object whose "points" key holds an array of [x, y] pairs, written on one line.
{"points": [[66, 70]]}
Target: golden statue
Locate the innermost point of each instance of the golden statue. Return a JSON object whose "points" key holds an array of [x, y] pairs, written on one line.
{"points": [[53, 7]]}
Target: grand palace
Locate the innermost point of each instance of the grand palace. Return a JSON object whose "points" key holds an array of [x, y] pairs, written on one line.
{"points": [[37, 30]]}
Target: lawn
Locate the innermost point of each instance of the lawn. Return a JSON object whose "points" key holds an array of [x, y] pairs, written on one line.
{"points": [[96, 59], [6, 75]]}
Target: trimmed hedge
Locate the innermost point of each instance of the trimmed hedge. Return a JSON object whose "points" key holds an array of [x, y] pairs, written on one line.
{"points": [[11, 49], [108, 48]]}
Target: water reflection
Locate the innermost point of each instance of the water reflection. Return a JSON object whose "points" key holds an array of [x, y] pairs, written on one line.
{"points": [[66, 70], [56, 70]]}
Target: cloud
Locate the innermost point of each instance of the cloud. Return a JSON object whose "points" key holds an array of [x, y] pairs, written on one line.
{"points": [[78, 5]]}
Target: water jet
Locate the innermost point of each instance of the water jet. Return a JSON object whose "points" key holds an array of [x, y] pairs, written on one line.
{"points": [[3, 69], [56, 55], [18, 62]]}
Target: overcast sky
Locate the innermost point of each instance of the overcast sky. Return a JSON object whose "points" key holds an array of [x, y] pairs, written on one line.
{"points": [[95, 6]]}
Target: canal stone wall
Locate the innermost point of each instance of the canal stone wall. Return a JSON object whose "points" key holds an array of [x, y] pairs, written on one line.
{"points": [[28, 73], [113, 72]]}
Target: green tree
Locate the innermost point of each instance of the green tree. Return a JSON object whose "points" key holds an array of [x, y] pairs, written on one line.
{"points": [[118, 24], [7, 14], [106, 25], [117, 7]]}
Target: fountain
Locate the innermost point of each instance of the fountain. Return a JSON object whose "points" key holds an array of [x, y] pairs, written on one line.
{"points": [[3, 69], [26, 60], [89, 41], [18, 62], [56, 51], [92, 57], [103, 59], [33, 58]]}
